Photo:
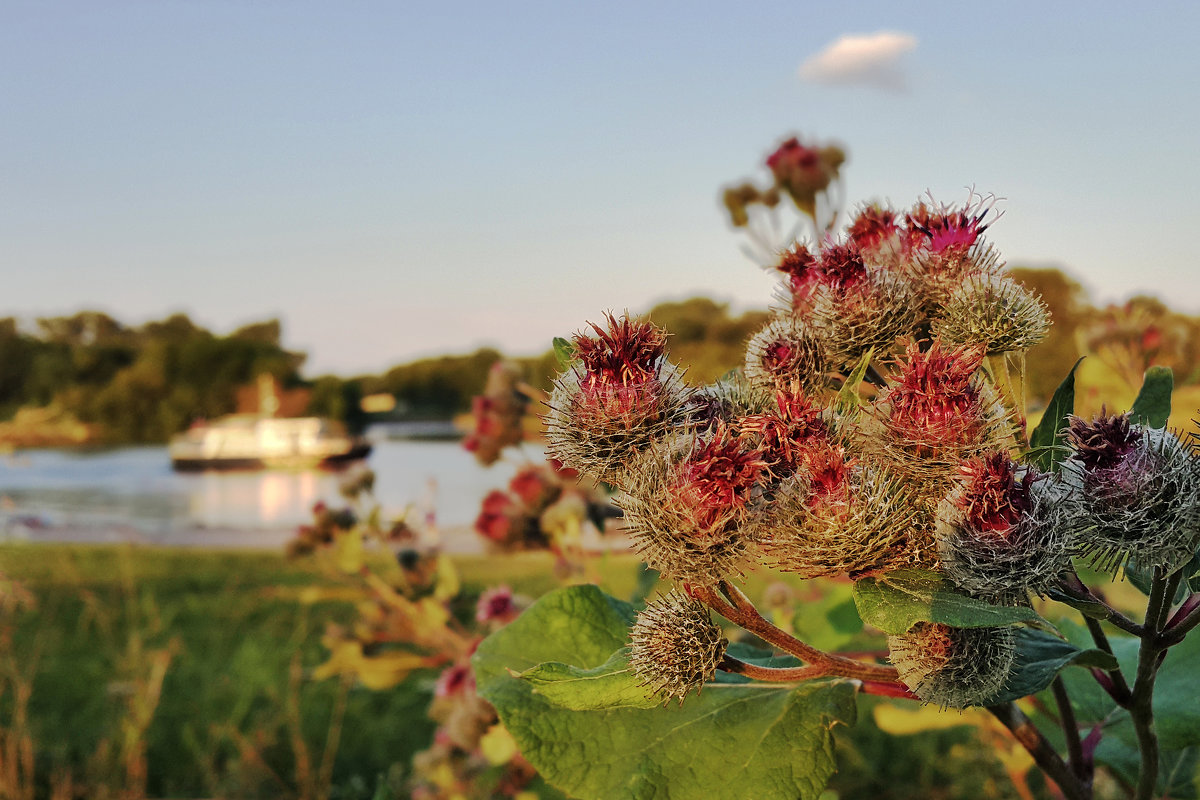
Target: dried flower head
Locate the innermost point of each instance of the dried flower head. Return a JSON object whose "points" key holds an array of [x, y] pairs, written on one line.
{"points": [[869, 313], [784, 353], [839, 518], [689, 504], [1134, 493], [619, 396], [993, 311], [954, 667], [676, 647], [738, 199], [998, 535]]}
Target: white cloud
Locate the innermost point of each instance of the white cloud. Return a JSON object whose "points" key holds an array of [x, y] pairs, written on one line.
{"points": [[873, 59]]}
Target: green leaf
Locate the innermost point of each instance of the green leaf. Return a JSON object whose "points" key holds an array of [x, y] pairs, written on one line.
{"points": [[564, 352], [895, 602], [733, 740], [1089, 608], [1177, 769], [1040, 656], [613, 684], [848, 399], [1176, 701], [1046, 441], [829, 621], [1153, 404]]}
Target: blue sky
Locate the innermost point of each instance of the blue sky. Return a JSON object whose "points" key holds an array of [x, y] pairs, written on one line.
{"points": [[403, 179]]}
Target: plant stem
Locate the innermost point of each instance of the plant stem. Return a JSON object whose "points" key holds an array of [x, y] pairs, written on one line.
{"points": [[1077, 589], [1119, 691], [1070, 728], [1044, 755], [774, 674], [739, 610], [1141, 709], [1186, 618]]}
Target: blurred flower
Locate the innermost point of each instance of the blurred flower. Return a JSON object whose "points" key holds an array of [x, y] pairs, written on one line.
{"points": [[496, 605], [455, 679]]}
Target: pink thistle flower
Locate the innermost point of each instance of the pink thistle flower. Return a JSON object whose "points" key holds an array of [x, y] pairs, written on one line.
{"points": [[803, 273], [994, 499], [717, 478], [842, 266], [945, 230], [496, 605], [1103, 442], [620, 369], [873, 226], [829, 477], [787, 434], [935, 401]]}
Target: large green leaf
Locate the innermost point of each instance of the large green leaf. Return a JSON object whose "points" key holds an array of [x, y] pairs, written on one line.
{"points": [[1177, 769], [613, 684], [733, 740], [1040, 656], [896, 601], [1176, 701], [1153, 404], [1046, 441]]}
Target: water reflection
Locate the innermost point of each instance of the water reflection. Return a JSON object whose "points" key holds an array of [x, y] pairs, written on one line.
{"points": [[136, 487]]}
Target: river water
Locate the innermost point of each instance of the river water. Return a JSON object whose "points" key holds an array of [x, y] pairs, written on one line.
{"points": [[132, 493]]}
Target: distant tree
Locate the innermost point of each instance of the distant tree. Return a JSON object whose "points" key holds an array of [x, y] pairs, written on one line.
{"points": [[705, 337], [1143, 332], [338, 399], [436, 387], [1049, 361]]}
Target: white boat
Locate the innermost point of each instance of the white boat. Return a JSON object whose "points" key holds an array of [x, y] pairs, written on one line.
{"points": [[256, 442]]}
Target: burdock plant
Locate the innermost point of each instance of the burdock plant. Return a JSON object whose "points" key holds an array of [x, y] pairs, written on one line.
{"points": [[876, 438]]}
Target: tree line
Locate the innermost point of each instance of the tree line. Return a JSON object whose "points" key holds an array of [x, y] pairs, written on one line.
{"points": [[143, 383]]}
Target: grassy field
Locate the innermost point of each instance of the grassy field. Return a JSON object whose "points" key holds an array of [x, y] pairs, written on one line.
{"points": [[230, 639]]}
